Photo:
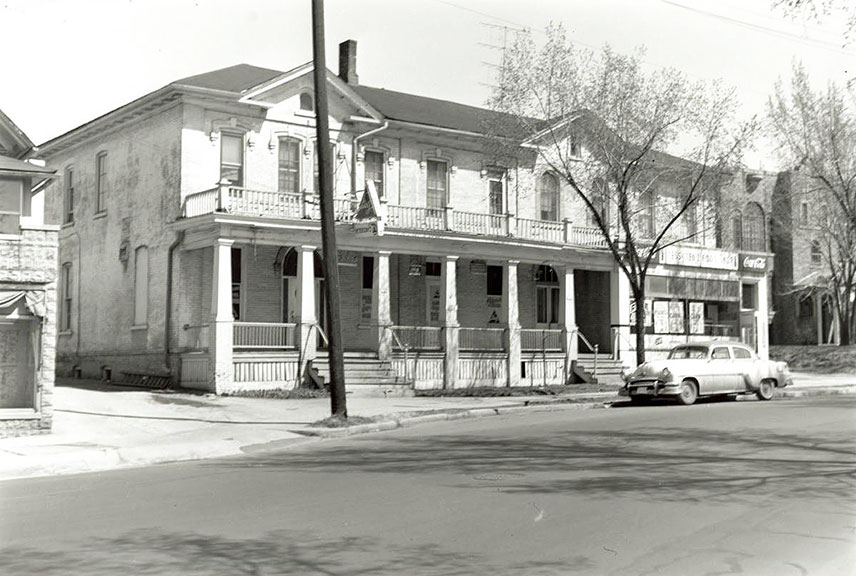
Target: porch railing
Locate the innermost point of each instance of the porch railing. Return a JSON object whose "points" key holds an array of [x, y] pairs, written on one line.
{"points": [[485, 224], [418, 337], [542, 230], [260, 203], [417, 217], [590, 237], [487, 339], [263, 335], [549, 340], [199, 203]]}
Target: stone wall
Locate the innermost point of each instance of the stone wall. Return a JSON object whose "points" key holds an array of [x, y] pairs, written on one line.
{"points": [[29, 262]]}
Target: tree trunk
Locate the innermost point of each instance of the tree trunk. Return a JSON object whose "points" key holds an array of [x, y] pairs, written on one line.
{"points": [[639, 321]]}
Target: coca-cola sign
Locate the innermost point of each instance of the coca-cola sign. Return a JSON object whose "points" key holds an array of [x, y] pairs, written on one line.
{"points": [[753, 263]]}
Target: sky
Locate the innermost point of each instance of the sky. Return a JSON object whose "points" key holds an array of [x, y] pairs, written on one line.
{"points": [[67, 62]]}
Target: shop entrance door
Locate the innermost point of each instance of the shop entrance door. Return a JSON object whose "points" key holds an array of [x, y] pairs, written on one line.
{"points": [[748, 333]]}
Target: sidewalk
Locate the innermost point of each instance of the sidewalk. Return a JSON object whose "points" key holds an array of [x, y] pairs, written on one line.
{"points": [[102, 427]]}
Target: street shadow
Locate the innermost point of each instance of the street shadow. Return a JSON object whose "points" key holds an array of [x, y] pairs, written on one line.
{"points": [[654, 462], [156, 551]]}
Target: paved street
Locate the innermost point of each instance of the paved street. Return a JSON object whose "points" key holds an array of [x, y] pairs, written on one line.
{"points": [[716, 488]]}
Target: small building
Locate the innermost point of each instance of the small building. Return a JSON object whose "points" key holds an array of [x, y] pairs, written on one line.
{"points": [[28, 264], [805, 313], [190, 245]]}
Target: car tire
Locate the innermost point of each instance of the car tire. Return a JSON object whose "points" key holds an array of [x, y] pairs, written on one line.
{"points": [[765, 389], [688, 393]]}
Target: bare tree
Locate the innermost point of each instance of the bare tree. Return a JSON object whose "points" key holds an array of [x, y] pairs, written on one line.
{"points": [[816, 132], [822, 11], [603, 124]]}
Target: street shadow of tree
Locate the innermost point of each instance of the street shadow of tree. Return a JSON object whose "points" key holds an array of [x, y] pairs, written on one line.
{"points": [[276, 552], [657, 463]]}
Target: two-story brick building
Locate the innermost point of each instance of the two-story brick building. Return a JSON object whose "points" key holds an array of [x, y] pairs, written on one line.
{"points": [[191, 242], [28, 262]]}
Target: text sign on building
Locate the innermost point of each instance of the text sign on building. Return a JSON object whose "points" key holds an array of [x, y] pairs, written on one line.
{"points": [[698, 257], [367, 221], [753, 263]]}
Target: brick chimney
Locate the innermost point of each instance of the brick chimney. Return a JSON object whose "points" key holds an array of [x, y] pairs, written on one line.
{"points": [[348, 62]]}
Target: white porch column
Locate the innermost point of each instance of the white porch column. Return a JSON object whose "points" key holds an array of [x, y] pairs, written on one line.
{"points": [[306, 298], [449, 296], [568, 318], [513, 316], [222, 372], [382, 303], [761, 316], [619, 315]]}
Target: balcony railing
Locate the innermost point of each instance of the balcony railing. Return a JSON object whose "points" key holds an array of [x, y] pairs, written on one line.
{"points": [[264, 336], [303, 205]]}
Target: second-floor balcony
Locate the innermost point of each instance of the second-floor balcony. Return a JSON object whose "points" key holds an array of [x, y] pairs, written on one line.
{"points": [[296, 206]]}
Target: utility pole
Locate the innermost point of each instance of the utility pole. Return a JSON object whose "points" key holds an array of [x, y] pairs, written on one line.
{"points": [[338, 405]]}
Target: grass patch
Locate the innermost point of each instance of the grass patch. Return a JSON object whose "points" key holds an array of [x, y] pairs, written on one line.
{"points": [[494, 392], [293, 394], [819, 359], [339, 422]]}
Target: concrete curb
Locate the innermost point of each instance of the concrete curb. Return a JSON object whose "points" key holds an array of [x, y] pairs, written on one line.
{"points": [[454, 414]]}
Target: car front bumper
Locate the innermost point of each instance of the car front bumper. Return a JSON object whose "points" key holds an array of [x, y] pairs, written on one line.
{"points": [[649, 388]]}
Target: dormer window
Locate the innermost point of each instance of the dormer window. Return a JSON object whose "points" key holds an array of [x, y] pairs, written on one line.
{"points": [[307, 103]]}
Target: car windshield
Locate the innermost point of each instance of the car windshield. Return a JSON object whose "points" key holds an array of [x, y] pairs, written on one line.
{"points": [[688, 352]]}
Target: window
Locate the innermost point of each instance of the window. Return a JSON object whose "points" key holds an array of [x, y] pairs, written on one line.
{"points": [[232, 158], [748, 300], [432, 269], [753, 228], [101, 182], [306, 102], [741, 353], [804, 214], [289, 165], [11, 194], [373, 162], [494, 280], [816, 253], [548, 197], [437, 185], [317, 160], [599, 199], [496, 191], [547, 295], [646, 201], [720, 353], [68, 217], [141, 286], [65, 312], [237, 269], [691, 220], [368, 272], [737, 231]]}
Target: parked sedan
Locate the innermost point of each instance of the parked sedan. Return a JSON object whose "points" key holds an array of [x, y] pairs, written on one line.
{"points": [[706, 369]]}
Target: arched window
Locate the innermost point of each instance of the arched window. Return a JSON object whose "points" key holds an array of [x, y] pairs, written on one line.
{"points": [[291, 284], [737, 230], [548, 197], [141, 286], [306, 102], [753, 228]]}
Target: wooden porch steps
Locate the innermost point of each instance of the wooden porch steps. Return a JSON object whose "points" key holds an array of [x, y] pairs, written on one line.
{"points": [[365, 375], [608, 370]]}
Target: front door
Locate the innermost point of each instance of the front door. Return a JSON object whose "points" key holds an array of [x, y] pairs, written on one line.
{"points": [[547, 304], [747, 328]]}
